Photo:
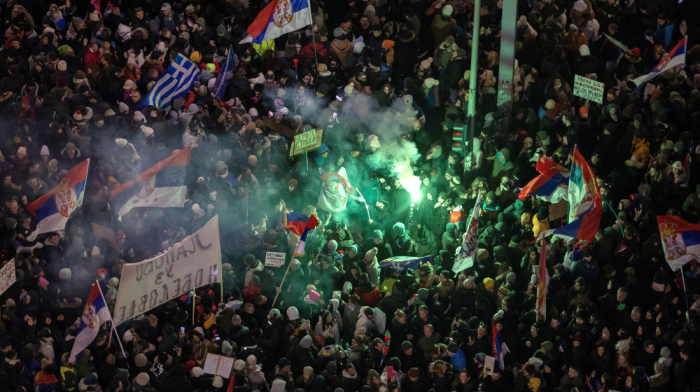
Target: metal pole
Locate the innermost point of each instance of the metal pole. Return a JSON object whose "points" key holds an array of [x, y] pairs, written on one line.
{"points": [[473, 77]]}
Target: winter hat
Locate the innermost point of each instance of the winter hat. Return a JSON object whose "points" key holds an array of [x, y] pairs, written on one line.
{"points": [[314, 295], [488, 283], [211, 68], [128, 336], [142, 379], [390, 372], [406, 345], [219, 382], [503, 290], [90, 379], [580, 6], [371, 253], [535, 382], [148, 132], [452, 348], [447, 11], [338, 32], [43, 283], [348, 89], [480, 358], [306, 342], [292, 313], [121, 142], [64, 274], [277, 386], [44, 151], [62, 66], [198, 372], [78, 116], [584, 50], [430, 83], [239, 365], [426, 63], [550, 104], [332, 246], [358, 47]]}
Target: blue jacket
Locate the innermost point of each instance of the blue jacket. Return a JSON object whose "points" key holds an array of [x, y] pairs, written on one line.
{"points": [[663, 34], [458, 360]]}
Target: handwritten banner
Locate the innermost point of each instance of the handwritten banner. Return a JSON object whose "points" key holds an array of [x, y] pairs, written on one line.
{"points": [[192, 263], [589, 89], [274, 259]]}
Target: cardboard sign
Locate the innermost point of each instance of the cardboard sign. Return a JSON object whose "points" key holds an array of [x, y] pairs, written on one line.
{"points": [[7, 276], [278, 128], [274, 259], [558, 210], [305, 140], [294, 150], [218, 365], [589, 89], [489, 363], [192, 263]]}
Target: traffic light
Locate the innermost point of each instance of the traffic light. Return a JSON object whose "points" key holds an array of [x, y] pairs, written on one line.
{"points": [[459, 138]]}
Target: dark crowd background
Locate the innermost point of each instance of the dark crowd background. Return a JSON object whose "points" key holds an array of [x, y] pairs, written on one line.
{"points": [[386, 81]]}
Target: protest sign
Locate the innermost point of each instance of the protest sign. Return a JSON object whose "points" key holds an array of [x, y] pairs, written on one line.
{"points": [[274, 259], [194, 262], [489, 363], [218, 365], [7, 276], [558, 210], [305, 140], [588, 89], [299, 149]]}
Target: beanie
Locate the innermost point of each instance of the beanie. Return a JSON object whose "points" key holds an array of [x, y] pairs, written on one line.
{"points": [[535, 382], [488, 283]]}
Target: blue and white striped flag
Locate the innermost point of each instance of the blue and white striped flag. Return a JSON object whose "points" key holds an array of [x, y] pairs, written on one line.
{"points": [[175, 82]]}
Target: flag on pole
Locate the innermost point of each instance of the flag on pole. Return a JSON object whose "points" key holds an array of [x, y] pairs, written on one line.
{"points": [[585, 201], [499, 347], [402, 263], [220, 84], [675, 57], [550, 184], [94, 315], [163, 185], [54, 208], [175, 82], [680, 240], [278, 18], [300, 225], [470, 246], [542, 281]]}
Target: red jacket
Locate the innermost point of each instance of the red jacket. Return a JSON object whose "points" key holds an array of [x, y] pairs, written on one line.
{"points": [[307, 53], [91, 57]]}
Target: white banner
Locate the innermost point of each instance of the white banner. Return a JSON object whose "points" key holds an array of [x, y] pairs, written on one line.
{"points": [[194, 262], [7, 276]]}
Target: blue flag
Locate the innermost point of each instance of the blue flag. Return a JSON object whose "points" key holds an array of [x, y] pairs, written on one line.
{"points": [[220, 85], [175, 82], [402, 263]]}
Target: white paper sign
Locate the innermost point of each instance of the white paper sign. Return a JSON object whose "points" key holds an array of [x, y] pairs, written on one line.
{"points": [[218, 365], [274, 259], [489, 363], [7, 276], [589, 89], [194, 262]]}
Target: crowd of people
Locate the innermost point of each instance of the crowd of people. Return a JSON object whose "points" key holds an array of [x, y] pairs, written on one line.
{"points": [[383, 83]]}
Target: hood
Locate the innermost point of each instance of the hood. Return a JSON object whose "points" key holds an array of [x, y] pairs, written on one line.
{"points": [[398, 229], [347, 288], [342, 45], [423, 294], [335, 304], [201, 22]]}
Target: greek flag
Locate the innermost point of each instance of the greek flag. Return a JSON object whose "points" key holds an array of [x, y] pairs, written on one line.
{"points": [[175, 82]]}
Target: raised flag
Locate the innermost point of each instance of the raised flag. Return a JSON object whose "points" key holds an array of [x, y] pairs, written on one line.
{"points": [[336, 190], [163, 185], [402, 263], [551, 184], [675, 57], [278, 18], [466, 254], [585, 201], [499, 347], [54, 208], [300, 225], [542, 281], [94, 314], [175, 82], [680, 240], [220, 85]]}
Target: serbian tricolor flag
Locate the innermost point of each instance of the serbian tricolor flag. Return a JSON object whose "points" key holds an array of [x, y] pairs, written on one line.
{"points": [[300, 225], [94, 314], [163, 185], [54, 208], [278, 18], [675, 57], [680, 240], [499, 347], [542, 281], [585, 201], [550, 185]]}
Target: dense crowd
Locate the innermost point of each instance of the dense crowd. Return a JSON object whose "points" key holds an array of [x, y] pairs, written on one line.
{"points": [[386, 81]]}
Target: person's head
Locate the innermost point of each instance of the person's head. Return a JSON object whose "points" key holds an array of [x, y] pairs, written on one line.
{"points": [[423, 312], [428, 330], [621, 294], [661, 19], [649, 347], [573, 372]]}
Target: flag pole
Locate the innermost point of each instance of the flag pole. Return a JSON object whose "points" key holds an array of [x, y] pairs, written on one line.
{"points": [[111, 322], [282, 284], [685, 292], [194, 297]]}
